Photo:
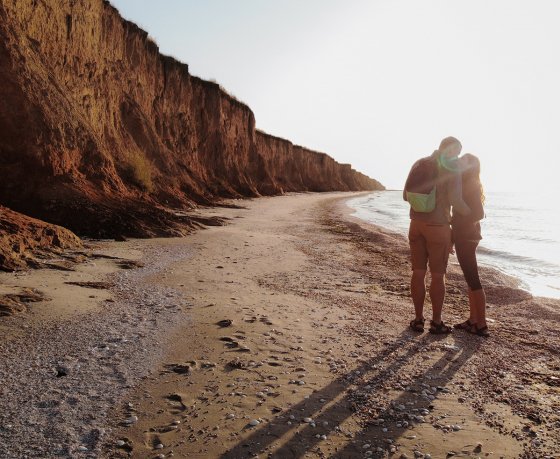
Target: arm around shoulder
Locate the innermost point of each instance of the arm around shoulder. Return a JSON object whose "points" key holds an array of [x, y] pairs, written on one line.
{"points": [[455, 194]]}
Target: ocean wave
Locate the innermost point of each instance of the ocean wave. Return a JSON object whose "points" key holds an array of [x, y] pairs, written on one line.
{"points": [[538, 239], [386, 213], [512, 257]]}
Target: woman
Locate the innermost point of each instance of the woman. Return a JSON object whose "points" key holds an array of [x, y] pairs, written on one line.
{"points": [[466, 236]]}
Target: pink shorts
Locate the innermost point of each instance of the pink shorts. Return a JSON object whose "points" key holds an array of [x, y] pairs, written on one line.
{"points": [[429, 244]]}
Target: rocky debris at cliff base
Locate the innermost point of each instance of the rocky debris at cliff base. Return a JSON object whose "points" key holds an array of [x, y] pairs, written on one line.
{"points": [[28, 242], [13, 303]]}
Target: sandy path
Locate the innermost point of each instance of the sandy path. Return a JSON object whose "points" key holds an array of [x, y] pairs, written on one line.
{"points": [[318, 355]]}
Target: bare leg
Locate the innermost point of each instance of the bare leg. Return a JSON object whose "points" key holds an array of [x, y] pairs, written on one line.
{"points": [[479, 300], [472, 307], [418, 292], [437, 294]]}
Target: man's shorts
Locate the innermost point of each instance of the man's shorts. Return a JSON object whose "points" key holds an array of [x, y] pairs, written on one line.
{"points": [[429, 242]]}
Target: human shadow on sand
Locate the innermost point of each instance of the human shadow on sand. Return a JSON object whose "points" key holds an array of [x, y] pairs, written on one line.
{"points": [[332, 403]]}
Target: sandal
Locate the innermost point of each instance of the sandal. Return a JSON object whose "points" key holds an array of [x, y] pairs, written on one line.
{"points": [[466, 325], [482, 331], [417, 325], [439, 329]]}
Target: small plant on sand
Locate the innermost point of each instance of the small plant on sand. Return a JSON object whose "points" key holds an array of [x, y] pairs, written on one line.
{"points": [[138, 170]]}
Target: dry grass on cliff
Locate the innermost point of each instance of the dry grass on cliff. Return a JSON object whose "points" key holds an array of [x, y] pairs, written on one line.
{"points": [[138, 170]]}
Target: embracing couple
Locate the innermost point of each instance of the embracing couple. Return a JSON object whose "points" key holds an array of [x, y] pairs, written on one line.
{"points": [[446, 205]]}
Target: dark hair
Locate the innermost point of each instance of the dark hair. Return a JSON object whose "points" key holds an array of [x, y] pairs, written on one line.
{"points": [[448, 142], [471, 176]]}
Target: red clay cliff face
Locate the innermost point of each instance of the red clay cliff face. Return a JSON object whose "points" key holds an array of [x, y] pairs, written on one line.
{"points": [[101, 133]]}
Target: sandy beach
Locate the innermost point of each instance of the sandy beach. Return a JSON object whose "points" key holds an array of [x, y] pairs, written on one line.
{"points": [[282, 333]]}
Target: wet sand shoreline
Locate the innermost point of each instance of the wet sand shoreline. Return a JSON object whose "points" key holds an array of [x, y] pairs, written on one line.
{"points": [[317, 356]]}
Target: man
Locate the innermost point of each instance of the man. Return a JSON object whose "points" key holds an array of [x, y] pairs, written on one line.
{"points": [[432, 187]]}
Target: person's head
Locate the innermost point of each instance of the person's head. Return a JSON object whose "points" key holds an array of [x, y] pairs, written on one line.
{"points": [[470, 165], [450, 147]]}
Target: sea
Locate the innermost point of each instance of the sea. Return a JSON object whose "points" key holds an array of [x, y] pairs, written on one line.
{"points": [[521, 235]]}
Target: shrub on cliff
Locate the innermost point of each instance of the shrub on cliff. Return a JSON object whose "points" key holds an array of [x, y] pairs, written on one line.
{"points": [[138, 170]]}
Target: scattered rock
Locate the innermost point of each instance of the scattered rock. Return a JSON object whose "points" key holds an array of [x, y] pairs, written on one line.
{"points": [[131, 420], [91, 284], [130, 264]]}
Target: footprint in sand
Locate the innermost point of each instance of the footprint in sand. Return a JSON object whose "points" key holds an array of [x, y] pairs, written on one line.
{"points": [[153, 441], [181, 368], [176, 400]]}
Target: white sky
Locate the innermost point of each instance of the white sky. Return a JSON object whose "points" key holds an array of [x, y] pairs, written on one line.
{"points": [[378, 83]]}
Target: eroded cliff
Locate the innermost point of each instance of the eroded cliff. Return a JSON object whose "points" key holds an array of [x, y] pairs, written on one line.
{"points": [[102, 134]]}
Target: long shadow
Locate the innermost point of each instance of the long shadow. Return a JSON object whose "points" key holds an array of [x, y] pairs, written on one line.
{"points": [[336, 412], [441, 373]]}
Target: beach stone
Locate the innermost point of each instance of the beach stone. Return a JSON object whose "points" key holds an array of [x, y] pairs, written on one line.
{"points": [[120, 443], [308, 420], [158, 446], [131, 420], [254, 422], [82, 448]]}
